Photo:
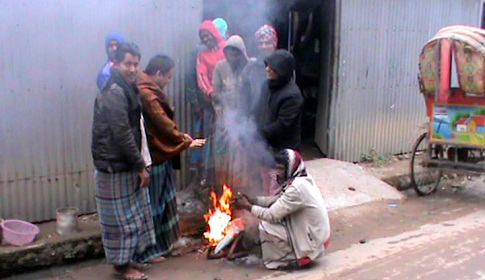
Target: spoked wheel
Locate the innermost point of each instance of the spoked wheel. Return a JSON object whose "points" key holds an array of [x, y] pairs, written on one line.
{"points": [[425, 180]]}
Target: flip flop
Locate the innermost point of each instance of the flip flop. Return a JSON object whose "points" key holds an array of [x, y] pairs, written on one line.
{"points": [[159, 259], [139, 277], [141, 266]]}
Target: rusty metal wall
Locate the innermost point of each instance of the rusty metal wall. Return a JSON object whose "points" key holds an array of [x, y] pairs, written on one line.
{"points": [[51, 51], [376, 103]]}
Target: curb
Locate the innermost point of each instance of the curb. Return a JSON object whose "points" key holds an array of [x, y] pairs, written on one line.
{"points": [[86, 245], [400, 182], [38, 256]]}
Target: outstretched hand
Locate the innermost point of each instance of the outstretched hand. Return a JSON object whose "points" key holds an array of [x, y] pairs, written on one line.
{"points": [[197, 143], [241, 201]]}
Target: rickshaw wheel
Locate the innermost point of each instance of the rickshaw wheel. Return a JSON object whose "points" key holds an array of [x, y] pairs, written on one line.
{"points": [[425, 180]]}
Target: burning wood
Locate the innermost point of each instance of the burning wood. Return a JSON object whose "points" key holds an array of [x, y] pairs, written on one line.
{"points": [[219, 217], [221, 229]]}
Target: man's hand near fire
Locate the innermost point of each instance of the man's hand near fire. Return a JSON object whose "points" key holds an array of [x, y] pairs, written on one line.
{"points": [[241, 201], [196, 143]]}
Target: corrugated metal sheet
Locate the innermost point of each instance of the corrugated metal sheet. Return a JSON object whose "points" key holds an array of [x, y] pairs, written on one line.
{"points": [[376, 103], [51, 51]]}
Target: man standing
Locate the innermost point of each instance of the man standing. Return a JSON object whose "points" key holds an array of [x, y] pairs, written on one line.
{"points": [[209, 57], [166, 143], [282, 127], [112, 42], [227, 84], [206, 62], [282, 106], [121, 157]]}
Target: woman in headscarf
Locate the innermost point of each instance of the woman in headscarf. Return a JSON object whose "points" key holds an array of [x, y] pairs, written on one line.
{"points": [[294, 228]]}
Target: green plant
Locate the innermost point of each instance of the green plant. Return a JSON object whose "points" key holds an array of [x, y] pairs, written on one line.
{"points": [[373, 157]]}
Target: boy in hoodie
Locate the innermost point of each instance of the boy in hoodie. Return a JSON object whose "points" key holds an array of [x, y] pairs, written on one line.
{"points": [[227, 94], [207, 59], [112, 42]]}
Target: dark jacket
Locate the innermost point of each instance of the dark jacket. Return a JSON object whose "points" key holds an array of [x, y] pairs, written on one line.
{"points": [[116, 135], [164, 139], [282, 128]]}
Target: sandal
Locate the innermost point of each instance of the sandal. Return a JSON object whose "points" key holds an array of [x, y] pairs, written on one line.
{"points": [[159, 259], [140, 276], [141, 266]]}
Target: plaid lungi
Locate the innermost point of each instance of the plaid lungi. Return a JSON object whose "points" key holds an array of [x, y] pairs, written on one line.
{"points": [[125, 216], [162, 191]]}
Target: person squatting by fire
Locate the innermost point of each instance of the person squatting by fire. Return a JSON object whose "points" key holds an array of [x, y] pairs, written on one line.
{"points": [[295, 227]]}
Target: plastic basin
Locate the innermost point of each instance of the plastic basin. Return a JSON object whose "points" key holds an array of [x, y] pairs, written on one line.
{"points": [[17, 232]]}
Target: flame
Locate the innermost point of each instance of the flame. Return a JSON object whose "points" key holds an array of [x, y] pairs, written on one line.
{"points": [[219, 217]]}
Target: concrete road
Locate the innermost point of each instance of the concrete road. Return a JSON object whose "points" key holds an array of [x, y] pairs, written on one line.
{"points": [[437, 237]]}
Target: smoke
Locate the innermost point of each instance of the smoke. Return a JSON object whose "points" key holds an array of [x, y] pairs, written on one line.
{"points": [[246, 150], [245, 17]]}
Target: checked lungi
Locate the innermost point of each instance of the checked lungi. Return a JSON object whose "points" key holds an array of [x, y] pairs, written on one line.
{"points": [[162, 191], [125, 216]]}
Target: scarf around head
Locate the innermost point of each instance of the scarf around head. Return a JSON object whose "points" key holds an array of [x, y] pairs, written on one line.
{"points": [[294, 166], [267, 32]]}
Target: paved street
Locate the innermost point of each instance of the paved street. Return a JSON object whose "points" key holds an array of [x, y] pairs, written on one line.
{"points": [[437, 237]]}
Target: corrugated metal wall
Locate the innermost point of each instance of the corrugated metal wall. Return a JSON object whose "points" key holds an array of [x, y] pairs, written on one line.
{"points": [[376, 103], [51, 51]]}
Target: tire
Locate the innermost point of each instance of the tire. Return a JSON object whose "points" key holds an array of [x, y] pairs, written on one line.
{"points": [[425, 180]]}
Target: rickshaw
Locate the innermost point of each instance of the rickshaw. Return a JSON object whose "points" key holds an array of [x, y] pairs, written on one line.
{"points": [[452, 82]]}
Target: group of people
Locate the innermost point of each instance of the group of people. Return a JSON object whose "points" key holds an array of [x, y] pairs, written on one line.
{"points": [[136, 146]]}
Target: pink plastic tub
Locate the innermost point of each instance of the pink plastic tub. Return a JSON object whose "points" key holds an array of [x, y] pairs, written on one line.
{"points": [[17, 232]]}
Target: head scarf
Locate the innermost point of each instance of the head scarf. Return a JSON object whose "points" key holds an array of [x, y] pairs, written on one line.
{"points": [[267, 32], [221, 25], [294, 166]]}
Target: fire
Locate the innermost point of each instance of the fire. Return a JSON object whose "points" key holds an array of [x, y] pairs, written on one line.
{"points": [[219, 217]]}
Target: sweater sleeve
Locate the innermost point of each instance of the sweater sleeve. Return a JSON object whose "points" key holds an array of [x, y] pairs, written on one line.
{"points": [[265, 201], [289, 202], [116, 106], [165, 128], [203, 81], [287, 114]]}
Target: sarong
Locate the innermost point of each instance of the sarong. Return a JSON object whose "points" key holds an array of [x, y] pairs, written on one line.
{"points": [[162, 191], [276, 245], [125, 216]]}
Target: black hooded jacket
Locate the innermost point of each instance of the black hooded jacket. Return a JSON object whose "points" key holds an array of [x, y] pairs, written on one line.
{"points": [[116, 134], [282, 126]]}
